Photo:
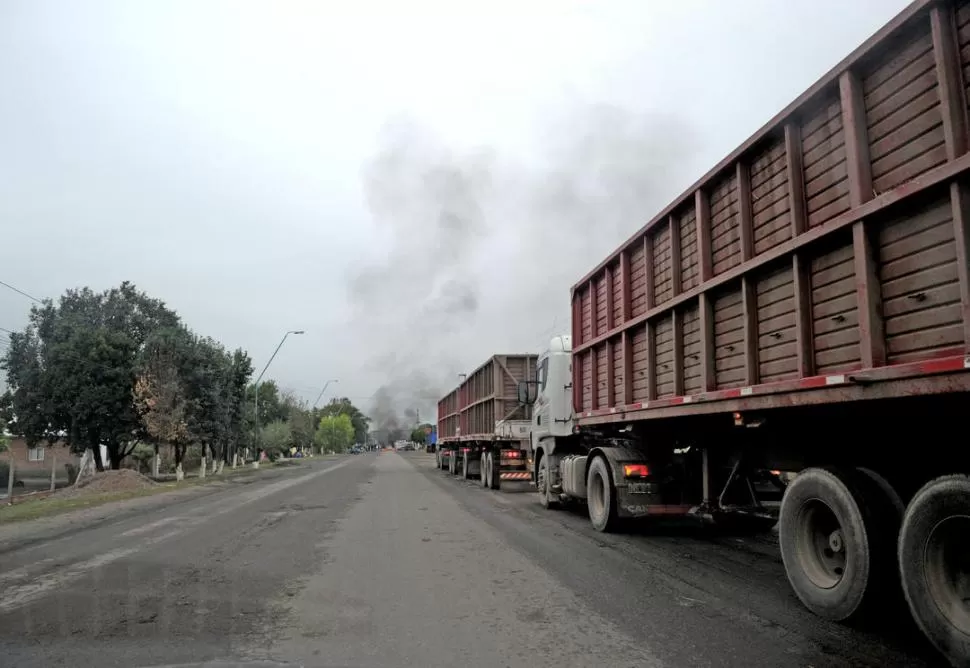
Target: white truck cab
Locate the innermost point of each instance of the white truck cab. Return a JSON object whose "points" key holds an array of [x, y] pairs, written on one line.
{"points": [[552, 413]]}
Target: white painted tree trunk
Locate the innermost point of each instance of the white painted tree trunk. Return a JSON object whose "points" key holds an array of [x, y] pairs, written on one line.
{"points": [[87, 466], [202, 468], [219, 466], [156, 462], [179, 473]]}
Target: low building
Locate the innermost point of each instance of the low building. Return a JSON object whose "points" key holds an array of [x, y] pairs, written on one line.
{"points": [[36, 462]]}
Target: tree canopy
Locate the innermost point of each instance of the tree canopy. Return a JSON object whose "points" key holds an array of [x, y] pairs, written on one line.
{"points": [[117, 368], [420, 433], [334, 433], [343, 406]]}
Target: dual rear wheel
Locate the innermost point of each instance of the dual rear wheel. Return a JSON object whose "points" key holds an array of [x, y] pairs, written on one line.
{"points": [[850, 550], [489, 476]]}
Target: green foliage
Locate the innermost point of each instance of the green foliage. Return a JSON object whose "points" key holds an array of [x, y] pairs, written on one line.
{"points": [[72, 370], [299, 420], [334, 433], [272, 408], [4, 439], [143, 454], [117, 368], [420, 434], [276, 438], [343, 406]]}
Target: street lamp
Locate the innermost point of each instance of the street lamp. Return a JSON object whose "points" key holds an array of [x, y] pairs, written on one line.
{"points": [[260, 377], [326, 385]]}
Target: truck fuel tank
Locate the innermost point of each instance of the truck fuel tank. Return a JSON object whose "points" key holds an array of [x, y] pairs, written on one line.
{"points": [[573, 470]]}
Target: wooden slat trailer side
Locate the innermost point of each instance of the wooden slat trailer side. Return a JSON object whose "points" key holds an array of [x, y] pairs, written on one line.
{"points": [[803, 308], [489, 438], [826, 254]]}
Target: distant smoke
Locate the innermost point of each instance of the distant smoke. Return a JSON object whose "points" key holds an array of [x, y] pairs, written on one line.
{"points": [[480, 254]]}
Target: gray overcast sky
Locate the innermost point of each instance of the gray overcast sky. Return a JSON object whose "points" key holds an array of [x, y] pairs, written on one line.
{"points": [[390, 177]]}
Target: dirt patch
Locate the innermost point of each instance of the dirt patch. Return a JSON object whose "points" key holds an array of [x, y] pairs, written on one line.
{"points": [[123, 480]]}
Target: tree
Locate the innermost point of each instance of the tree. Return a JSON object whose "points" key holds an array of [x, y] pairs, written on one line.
{"points": [[159, 393], [213, 389], [299, 420], [276, 438], [4, 439], [72, 370], [271, 406], [334, 432], [343, 406], [239, 372], [420, 433]]}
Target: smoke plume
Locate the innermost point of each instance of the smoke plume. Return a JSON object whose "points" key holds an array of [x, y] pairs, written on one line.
{"points": [[480, 252]]}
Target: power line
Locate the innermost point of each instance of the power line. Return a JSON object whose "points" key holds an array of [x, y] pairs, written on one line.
{"points": [[20, 292]]}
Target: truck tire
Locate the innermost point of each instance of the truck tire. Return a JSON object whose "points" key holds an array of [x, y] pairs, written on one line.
{"points": [[934, 564], [601, 496], [452, 463], [464, 466], [836, 531], [543, 486], [494, 474], [483, 470]]}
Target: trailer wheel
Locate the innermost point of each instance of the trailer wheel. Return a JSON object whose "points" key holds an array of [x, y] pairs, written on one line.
{"points": [[544, 485], [836, 532], [483, 471], [452, 463], [934, 564], [601, 497], [494, 475]]}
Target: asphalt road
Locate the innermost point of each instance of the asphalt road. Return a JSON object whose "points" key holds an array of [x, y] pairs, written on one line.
{"points": [[381, 560]]}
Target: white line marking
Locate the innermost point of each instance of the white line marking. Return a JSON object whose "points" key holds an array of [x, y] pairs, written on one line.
{"points": [[151, 525], [22, 572], [15, 597]]}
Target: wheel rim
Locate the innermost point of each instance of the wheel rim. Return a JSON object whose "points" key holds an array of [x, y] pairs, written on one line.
{"points": [[947, 570], [541, 480], [596, 495], [820, 544]]}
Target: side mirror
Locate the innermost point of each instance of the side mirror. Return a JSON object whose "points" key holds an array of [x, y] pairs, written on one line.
{"points": [[526, 392]]}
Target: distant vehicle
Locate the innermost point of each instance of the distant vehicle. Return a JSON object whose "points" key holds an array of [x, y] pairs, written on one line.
{"points": [[483, 431]]}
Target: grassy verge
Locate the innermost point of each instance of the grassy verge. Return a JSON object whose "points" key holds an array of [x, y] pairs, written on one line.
{"points": [[49, 506]]}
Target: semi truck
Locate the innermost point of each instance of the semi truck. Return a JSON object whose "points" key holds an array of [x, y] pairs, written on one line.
{"points": [[483, 429], [789, 340]]}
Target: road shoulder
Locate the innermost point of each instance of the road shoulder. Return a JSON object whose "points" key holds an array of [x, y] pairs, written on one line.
{"points": [[17, 534]]}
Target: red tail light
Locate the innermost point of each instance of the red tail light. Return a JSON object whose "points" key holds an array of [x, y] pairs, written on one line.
{"points": [[464, 450], [635, 471], [511, 454]]}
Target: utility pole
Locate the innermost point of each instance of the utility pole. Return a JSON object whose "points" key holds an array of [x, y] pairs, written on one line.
{"points": [[326, 385], [256, 388]]}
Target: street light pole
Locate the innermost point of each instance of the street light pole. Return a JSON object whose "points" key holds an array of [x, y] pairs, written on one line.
{"points": [[256, 385], [320, 396]]}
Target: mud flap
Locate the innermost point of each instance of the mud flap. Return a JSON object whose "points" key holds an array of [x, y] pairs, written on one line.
{"points": [[629, 505]]}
